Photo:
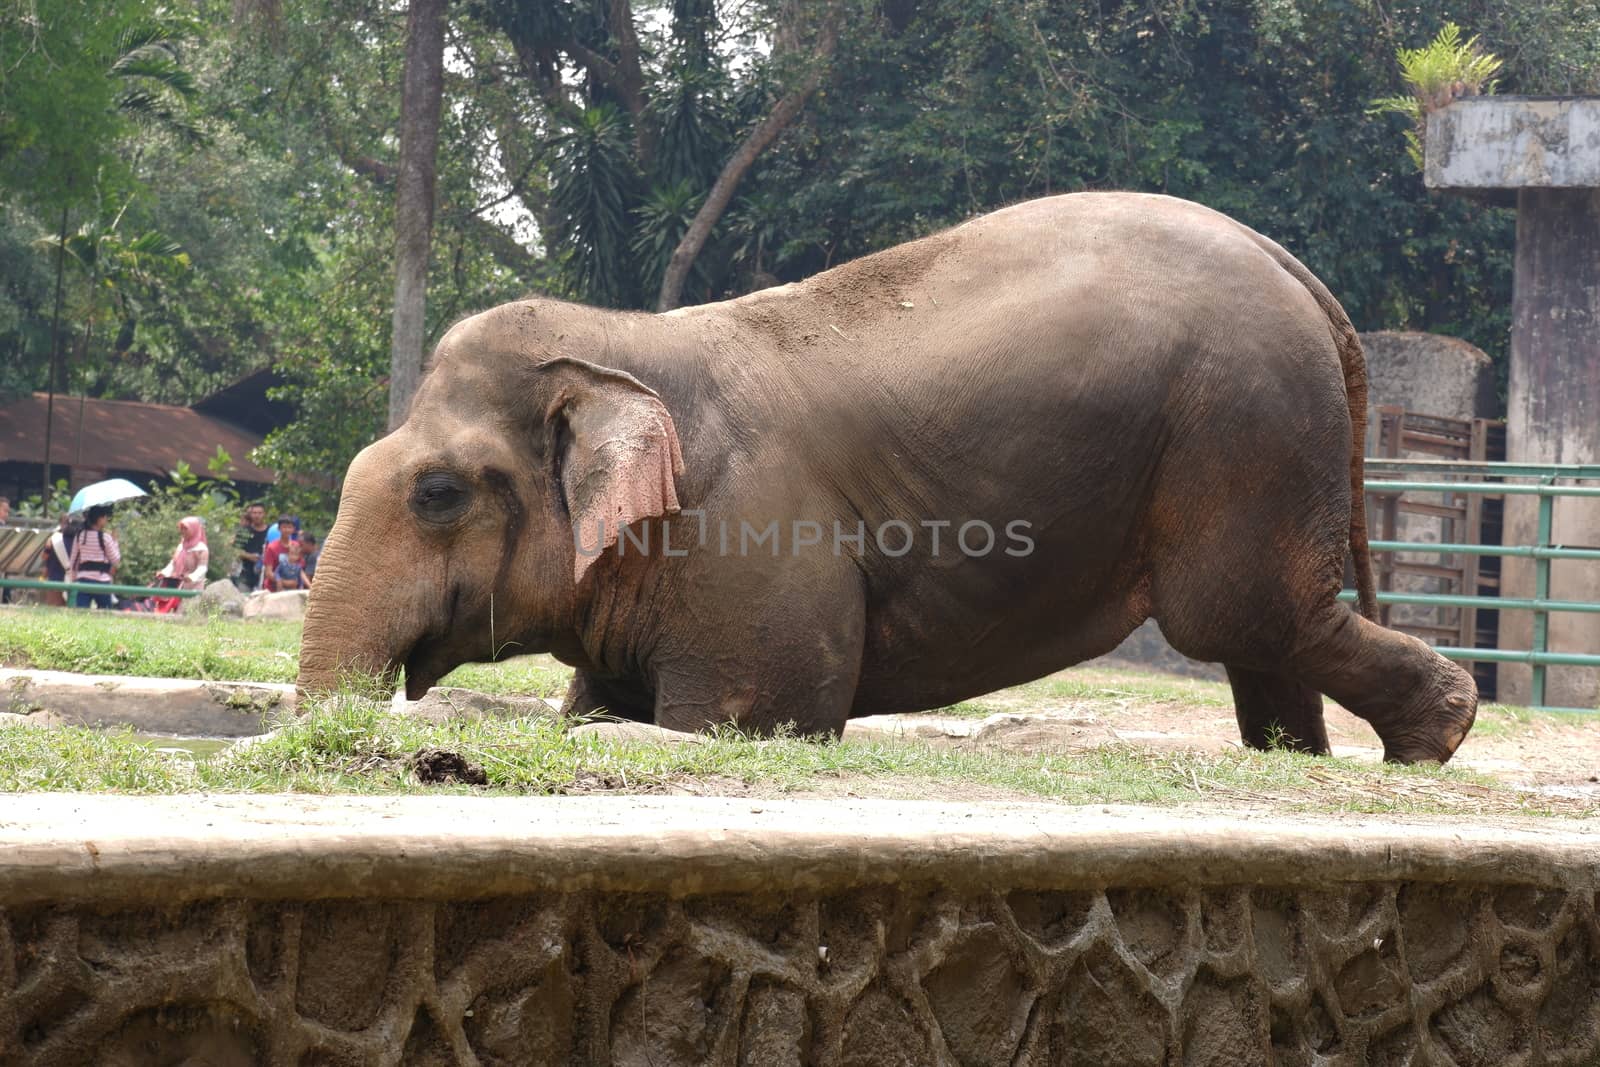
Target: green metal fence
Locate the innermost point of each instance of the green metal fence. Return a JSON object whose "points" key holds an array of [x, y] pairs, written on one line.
{"points": [[1538, 480], [95, 587]]}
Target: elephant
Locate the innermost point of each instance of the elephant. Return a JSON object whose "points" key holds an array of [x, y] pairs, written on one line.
{"points": [[952, 466]]}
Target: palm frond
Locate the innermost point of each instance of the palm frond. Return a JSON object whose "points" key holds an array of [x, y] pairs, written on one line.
{"points": [[159, 66]]}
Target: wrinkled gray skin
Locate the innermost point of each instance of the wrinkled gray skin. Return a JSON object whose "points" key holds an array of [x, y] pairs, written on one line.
{"points": [[1168, 400]]}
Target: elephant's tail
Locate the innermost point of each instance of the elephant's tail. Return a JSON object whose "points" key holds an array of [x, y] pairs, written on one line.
{"points": [[1354, 362]]}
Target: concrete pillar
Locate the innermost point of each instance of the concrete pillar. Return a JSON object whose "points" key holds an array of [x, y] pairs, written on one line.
{"points": [[1548, 151], [1553, 415]]}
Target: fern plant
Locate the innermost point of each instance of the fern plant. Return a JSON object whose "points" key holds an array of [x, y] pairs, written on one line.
{"points": [[1445, 69]]}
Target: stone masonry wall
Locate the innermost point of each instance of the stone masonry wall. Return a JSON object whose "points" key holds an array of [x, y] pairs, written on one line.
{"points": [[1380, 974], [291, 932]]}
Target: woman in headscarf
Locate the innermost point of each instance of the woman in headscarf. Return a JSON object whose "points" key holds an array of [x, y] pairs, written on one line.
{"points": [[191, 558]]}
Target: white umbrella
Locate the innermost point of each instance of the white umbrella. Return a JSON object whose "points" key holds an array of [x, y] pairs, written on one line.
{"points": [[107, 492]]}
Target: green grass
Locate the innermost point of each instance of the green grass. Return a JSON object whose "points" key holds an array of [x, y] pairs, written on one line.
{"points": [[1503, 720], [1101, 685], [350, 745], [96, 642], [521, 676]]}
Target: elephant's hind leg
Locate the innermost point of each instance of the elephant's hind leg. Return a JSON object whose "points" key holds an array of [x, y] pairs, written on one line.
{"points": [[1281, 639], [1277, 711], [1420, 704]]}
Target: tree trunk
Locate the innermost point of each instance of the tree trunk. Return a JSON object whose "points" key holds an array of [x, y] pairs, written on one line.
{"points": [[55, 360], [784, 112], [420, 103]]}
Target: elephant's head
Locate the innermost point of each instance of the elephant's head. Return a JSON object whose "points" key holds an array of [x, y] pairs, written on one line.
{"points": [[455, 535]]}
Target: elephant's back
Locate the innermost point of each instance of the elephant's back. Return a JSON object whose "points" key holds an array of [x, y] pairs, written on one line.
{"points": [[1018, 295]]}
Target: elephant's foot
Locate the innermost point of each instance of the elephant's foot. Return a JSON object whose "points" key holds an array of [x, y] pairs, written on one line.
{"points": [[1434, 723], [1420, 704]]}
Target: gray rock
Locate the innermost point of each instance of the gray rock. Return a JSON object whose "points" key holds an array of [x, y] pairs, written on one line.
{"points": [[290, 605], [220, 597], [450, 704], [170, 706], [636, 732], [1430, 374]]}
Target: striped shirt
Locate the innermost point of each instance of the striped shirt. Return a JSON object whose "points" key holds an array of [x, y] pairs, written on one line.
{"points": [[94, 553]]}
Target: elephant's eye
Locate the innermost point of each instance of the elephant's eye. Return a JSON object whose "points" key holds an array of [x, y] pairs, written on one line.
{"points": [[439, 496]]}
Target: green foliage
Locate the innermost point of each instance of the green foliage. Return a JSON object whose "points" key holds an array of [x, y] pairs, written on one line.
{"points": [[45, 506], [663, 218], [1445, 69], [260, 143], [592, 191]]}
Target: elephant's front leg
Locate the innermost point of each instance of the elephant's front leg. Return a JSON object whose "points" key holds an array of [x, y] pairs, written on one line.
{"points": [[588, 696], [788, 657]]}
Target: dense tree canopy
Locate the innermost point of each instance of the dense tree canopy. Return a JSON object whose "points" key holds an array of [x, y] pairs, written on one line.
{"points": [[227, 169]]}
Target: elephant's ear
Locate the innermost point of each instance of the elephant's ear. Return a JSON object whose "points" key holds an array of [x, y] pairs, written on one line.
{"points": [[619, 454]]}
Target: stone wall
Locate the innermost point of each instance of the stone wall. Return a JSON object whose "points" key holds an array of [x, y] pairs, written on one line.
{"points": [[678, 931], [1429, 373]]}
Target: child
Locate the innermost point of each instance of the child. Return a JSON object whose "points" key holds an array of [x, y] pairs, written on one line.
{"points": [[291, 572], [308, 555]]}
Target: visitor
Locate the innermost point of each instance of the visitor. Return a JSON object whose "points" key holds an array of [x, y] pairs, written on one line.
{"points": [[275, 534], [309, 552], [57, 556], [95, 557], [288, 532], [290, 571], [187, 567], [250, 540], [5, 517]]}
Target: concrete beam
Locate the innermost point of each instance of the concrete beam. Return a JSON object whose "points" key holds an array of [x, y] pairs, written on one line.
{"points": [[1514, 142], [84, 848]]}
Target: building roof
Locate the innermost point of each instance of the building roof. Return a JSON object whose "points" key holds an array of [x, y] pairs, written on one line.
{"points": [[245, 404], [124, 435]]}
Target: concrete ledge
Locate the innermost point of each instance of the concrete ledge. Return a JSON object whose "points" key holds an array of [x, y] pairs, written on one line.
{"points": [[56, 847], [176, 706], [1513, 142], [677, 931]]}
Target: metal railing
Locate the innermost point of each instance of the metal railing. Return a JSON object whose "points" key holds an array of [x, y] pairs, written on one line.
{"points": [[96, 587], [1539, 657]]}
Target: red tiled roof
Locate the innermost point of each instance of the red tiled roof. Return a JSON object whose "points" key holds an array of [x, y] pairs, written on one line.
{"points": [[124, 435]]}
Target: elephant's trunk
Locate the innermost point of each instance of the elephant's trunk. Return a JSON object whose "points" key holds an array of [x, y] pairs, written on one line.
{"points": [[348, 634], [340, 643]]}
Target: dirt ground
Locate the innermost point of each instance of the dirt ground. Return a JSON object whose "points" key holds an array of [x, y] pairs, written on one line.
{"points": [[1534, 763], [1558, 753]]}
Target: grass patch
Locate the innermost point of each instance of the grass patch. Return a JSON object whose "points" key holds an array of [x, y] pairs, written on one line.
{"points": [[351, 745], [110, 642], [220, 649], [539, 676], [1503, 720], [1100, 685]]}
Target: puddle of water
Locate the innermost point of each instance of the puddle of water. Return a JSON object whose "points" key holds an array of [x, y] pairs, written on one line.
{"points": [[198, 748]]}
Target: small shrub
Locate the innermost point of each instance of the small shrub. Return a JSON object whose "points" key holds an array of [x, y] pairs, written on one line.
{"points": [[1444, 70]]}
